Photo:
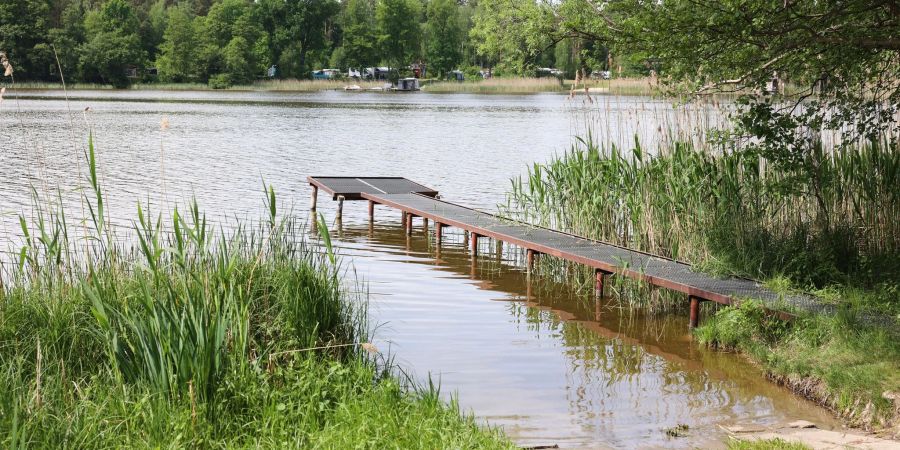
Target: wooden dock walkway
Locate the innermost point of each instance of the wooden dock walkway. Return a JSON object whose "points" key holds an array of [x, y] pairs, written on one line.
{"points": [[416, 200]]}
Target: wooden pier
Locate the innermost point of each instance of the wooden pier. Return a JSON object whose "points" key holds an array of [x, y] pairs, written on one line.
{"points": [[416, 200]]}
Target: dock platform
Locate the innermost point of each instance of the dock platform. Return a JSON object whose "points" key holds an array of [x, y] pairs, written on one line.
{"points": [[605, 258]]}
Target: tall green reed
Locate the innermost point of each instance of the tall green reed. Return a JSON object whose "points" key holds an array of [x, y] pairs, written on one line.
{"points": [[728, 210]]}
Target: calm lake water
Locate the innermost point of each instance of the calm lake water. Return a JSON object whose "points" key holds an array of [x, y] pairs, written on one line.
{"points": [[531, 356]]}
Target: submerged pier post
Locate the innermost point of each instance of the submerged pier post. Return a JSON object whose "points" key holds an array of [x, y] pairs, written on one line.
{"points": [[313, 197], [438, 233], [695, 311], [403, 219], [474, 244], [340, 211], [409, 224], [425, 224], [371, 211]]}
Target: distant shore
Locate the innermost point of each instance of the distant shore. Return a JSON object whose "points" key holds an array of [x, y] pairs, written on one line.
{"points": [[619, 86]]}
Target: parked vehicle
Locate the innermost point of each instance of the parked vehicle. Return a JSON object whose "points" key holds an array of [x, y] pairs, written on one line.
{"points": [[600, 74], [326, 74], [548, 72], [375, 73]]}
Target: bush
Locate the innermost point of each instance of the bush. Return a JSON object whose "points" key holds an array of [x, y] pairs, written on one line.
{"points": [[219, 81]]}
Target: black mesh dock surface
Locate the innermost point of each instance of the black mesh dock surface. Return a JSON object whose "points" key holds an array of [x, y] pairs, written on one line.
{"points": [[352, 187]]}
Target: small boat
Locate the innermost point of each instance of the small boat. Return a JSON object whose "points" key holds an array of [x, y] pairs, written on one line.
{"points": [[352, 87]]}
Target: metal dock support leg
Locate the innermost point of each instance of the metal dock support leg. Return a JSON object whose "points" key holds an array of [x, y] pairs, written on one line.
{"points": [[695, 311], [313, 198], [371, 211], [340, 211], [474, 244]]}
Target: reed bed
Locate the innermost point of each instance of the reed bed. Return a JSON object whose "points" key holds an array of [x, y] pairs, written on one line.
{"points": [[497, 86], [728, 210], [616, 86], [192, 336]]}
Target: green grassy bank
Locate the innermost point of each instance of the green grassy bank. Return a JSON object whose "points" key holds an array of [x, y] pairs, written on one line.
{"points": [[195, 337], [830, 225]]}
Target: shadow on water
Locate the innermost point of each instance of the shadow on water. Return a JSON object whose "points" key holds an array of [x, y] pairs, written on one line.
{"points": [[571, 370]]}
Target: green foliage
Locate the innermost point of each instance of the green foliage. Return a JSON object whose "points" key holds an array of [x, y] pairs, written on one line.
{"points": [[179, 52], [443, 36], [511, 32], [22, 26], [398, 30], [118, 41], [219, 81], [232, 42], [360, 41], [112, 45]]}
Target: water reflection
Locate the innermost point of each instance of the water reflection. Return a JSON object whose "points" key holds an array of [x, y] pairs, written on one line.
{"points": [[548, 364]]}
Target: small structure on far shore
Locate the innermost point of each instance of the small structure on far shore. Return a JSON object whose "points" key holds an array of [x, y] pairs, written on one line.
{"points": [[407, 84]]}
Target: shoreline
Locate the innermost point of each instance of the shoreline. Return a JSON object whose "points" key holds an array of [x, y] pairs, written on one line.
{"points": [[494, 86]]}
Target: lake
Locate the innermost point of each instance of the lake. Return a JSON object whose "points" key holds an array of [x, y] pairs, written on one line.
{"points": [[535, 357]]}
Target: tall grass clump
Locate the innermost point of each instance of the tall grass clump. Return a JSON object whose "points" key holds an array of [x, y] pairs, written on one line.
{"points": [[178, 334], [729, 211]]}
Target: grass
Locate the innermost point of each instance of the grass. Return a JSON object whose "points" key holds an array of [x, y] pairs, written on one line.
{"points": [[497, 86], [765, 444], [834, 231], [195, 337], [616, 86], [842, 361]]}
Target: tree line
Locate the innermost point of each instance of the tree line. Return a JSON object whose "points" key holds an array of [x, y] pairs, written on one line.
{"points": [[237, 41]]}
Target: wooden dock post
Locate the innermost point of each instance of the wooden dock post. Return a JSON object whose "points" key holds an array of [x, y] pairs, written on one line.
{"points": [[313, 197], [529, 260], [340, 211], [695, 311], [425, 224], [474, 244], [600, 277], [438, 233], [371, 211], [403, 218], [409, 224]]}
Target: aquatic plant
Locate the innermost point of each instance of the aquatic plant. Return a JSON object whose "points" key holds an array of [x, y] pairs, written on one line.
{"points": [[728, 211]]}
